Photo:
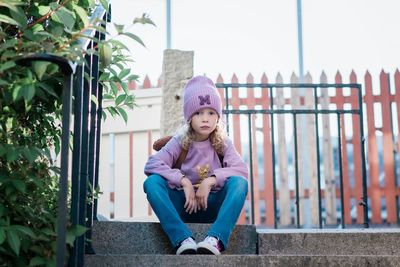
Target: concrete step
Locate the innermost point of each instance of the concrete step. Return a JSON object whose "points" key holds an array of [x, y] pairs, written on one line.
{"points": [[238, 260], [113, 237], [329, 242]]}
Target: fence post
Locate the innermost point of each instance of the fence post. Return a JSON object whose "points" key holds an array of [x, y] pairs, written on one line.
{"points": [[284, 192], [328, 162], [177, 69]]}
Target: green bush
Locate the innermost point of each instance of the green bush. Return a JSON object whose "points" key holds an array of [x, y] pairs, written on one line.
{"points": [[30, 116]]}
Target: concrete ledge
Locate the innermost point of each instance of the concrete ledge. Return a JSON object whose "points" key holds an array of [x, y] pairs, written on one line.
{"points": [[148, 238], [330, 242], [239, 260]]}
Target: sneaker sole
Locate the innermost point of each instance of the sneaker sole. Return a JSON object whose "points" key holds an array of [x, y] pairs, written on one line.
{"points": [[206, 251], [188, 252]]}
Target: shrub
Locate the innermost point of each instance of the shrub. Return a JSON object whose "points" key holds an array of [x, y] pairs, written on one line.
{"points": [[30, 115]]}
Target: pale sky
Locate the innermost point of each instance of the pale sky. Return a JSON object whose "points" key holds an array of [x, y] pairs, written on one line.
{"points": [[242, 36]]}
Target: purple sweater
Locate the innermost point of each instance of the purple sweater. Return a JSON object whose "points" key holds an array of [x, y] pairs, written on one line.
{"points": [[200, 155]]}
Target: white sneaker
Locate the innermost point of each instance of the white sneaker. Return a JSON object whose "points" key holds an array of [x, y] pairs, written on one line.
{"points": [[187, 246], [210, 245]]}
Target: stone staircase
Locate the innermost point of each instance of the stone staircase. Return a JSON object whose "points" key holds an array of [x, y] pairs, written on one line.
{"points": [[145, 244]]}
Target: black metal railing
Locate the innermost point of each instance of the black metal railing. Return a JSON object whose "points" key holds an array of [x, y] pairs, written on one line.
{"points": [[273, 110], [81, 82]]}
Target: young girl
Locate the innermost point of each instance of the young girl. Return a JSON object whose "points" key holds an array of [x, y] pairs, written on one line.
{"points": [[204, 189]]}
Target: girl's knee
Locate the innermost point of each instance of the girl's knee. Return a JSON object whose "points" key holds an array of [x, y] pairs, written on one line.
{"points": [[238, 183], [152, 182]]}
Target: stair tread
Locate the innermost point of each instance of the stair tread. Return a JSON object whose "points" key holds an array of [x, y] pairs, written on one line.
{"points": [[329, 241], [129, 238], [148, 237], [241, 260]]}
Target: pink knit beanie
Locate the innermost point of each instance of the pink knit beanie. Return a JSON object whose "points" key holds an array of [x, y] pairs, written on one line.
{"points": [[200, 92]]}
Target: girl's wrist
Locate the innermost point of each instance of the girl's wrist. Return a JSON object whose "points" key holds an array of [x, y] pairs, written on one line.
{"points": [[212, 180], [185, 180]]}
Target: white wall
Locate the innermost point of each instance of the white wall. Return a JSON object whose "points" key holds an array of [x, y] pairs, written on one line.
{"points": [[124, 151]]}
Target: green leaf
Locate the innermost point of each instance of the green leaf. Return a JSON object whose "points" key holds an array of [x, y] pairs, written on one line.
{"points": [[104, 76], [112, 111], [16, 92], [104, 3], [11, 4], [124, 73], [133, 77], [13, 241], [11, 154], [28, 92], [119, 44], [8, 20], [134, 37], [48, 232], [144, 20], [2, 235], [9, 43], [114, 87], [79, 230], [6, 65], [36, 261], [18, 14], [43, 10], [1, 207], [119, 28], [108, 97], [75, 231], [19, 185], [123, 114], [62, 15], [47, 88], [94, 99], [105, 55], [39, 67], [82, 14], [57, 147], [24, 230], [120, 99], [125, 88], [3, 150], [28, 154]]}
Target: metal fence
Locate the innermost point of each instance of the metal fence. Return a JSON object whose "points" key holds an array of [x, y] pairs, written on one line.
{"points": [[80, 83], [304, 107]]}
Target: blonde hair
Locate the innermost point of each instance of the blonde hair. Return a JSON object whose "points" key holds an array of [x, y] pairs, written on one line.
{"points": [[217, 137]]}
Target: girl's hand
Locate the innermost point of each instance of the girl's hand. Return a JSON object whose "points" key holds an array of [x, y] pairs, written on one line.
{"points": [[191, 202], [204, 190]]}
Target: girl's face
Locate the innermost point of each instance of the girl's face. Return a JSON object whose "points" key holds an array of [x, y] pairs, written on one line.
{"points": [[203, 123]]}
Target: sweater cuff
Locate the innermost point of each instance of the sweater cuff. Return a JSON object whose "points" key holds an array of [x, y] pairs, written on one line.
{"points": [[220, 179], [176, 181]]}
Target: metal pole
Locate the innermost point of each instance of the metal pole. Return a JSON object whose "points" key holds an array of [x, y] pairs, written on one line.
{"points": [[76, 157], [302, 119], [364, 171], [300, 41], [251, 172], [271, 97], [168, 24], [62, 195], [296, 171], [340, 169]]}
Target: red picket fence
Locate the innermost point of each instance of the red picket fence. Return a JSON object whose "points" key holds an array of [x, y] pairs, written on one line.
{"points": [[383, 185], [381, 106]]}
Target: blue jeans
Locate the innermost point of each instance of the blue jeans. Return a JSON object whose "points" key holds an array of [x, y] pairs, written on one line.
{"points": [[223, 208]]}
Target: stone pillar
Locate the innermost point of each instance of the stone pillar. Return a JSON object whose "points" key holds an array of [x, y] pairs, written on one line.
{"points": [[177, 70]]}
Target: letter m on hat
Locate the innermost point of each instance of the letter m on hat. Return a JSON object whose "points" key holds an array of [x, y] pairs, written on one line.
{"points": [[204, 100]]}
